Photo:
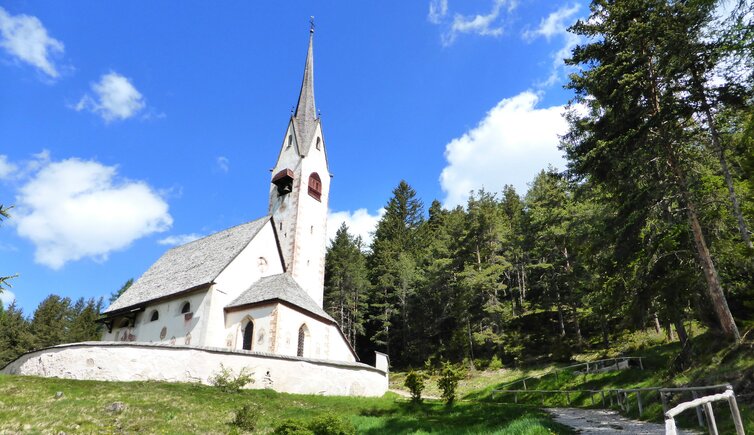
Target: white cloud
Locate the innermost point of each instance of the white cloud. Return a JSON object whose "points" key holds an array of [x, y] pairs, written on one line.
{"points": [[179, 239], [556, 25], [484, 25], [223, 164], [7, 169], [74, 209], [25, 38], [513, 142], [7, 297], [360, 223], [115, 98], [437, 11]]}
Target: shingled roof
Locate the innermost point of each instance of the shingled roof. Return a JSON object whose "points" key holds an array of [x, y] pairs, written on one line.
{"points": [[281, 287], [189, 266]]}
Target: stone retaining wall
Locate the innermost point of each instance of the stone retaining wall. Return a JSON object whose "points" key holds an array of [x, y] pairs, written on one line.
{"points": [[118, 361]]}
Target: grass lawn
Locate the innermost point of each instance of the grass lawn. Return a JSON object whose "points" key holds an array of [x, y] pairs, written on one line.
{"points": [[28, 404]]}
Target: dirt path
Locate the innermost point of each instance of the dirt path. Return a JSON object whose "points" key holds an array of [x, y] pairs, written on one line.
{"points": [[602, 422]]}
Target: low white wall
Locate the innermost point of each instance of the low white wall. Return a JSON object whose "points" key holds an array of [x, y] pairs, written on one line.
{"points": [[111, 361]]}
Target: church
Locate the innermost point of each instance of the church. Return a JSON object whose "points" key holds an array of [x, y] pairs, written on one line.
{"points": [[254, 290]]}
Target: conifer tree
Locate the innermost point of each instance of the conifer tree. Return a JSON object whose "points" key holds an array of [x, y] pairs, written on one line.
{"points": [[346, 283], [631, 135], [15, 336]]}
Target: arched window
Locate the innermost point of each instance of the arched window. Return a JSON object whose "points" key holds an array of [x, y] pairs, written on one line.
{"points": [[318, 142], [290, 140], [315, 186], [303, 331], [248, 335], [186, 308], [155, 316]]}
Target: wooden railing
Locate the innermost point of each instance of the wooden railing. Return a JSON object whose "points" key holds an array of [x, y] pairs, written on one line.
{"points": [[706, 401], [602, 365]]}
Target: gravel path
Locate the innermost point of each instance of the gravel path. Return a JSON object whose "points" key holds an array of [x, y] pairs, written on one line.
{"points": [[602, 422]]}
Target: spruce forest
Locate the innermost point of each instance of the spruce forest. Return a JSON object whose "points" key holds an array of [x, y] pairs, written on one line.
{"points": [[648, 226]]}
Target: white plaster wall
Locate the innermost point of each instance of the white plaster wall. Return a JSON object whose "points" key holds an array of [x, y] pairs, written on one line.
{"points": [[308, 266], [263, 339], [140, 362], [324, 340], [238, 276], [179, 328]]}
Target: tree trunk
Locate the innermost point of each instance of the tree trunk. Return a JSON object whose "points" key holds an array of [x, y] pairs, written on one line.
{"points": [[560, 316], [718, 146], [669, 332], [605, 336], [658, 329], [680, 328], [577, 325], [714, 288]]}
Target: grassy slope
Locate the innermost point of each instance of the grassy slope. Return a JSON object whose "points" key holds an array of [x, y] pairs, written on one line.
{"points": [[28, 404], [714, 364]]}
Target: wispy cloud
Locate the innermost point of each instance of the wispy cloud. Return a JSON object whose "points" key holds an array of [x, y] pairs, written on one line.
{"points": [[437, 11], [555, 26], [7, 169], [26, 39], [489, 24], [115, 98], [513, 142], [7, 297], [74, 209], [179, 239], [223, 164]]}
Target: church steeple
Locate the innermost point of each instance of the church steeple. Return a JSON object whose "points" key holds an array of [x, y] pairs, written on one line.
{"points": [[305, 118], [300, 190]]}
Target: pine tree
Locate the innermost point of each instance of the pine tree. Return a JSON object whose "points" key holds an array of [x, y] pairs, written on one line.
{"points": [[50, 324], [83, 321], [15, 336], [346, 283], [632, 136]]}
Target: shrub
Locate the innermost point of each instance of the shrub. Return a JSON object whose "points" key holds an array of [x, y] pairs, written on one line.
{"points": [[292, 427], [448, 382], [324, 424], [246, 417], [330, 424], [227, 382], [415, 384], [495, 363]]}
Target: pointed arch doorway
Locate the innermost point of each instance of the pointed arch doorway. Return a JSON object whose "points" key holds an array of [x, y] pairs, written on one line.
{"points": [[248, 335]]}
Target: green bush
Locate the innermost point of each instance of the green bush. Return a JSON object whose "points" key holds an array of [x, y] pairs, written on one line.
{"points": [[246, 417], [448, 382], [227, 382], [292, 427], [324, 424], [415, 384], [495, 363], [331, 424]]}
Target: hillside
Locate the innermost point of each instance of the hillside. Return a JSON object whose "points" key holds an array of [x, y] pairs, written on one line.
{"points": [[29, 404]]}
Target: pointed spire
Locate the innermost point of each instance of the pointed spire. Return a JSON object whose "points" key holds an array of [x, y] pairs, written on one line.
{"points": [[306, 110]]}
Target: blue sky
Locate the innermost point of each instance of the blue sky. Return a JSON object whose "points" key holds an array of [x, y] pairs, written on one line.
{"points": [[129, 126]]}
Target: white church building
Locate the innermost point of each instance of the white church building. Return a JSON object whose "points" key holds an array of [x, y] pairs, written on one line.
{"points": [[250, 296]]}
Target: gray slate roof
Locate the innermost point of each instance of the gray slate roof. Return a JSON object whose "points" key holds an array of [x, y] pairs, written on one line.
{"points": [[190, 265], [283, 287]]}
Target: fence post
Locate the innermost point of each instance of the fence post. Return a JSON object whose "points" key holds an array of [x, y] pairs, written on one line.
{"points": [[698, 409], [638, 402], [602, 393], [610, 393], [568, 398], [587, 367], [627, 402], [543, 399], [664, 402], [735, 412], [641, 365], [515, 397], [711, 424], [591, 395], [524, 381]]}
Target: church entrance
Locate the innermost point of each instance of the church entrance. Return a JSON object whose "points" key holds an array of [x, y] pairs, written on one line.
{"points": [[248, 335]]}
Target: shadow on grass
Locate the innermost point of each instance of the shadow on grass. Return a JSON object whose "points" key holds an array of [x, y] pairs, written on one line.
{"points": [[461, 418]]}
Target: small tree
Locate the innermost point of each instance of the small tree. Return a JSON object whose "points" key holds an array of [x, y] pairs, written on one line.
{"points": [[415, 384], [448, 382], [226, 381]]}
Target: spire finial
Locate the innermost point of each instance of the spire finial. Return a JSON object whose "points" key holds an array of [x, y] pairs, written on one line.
{"points": [[311, 24]]}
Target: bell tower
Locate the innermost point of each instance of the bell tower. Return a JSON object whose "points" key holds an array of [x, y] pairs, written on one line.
{"points": [[300, 189]]}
